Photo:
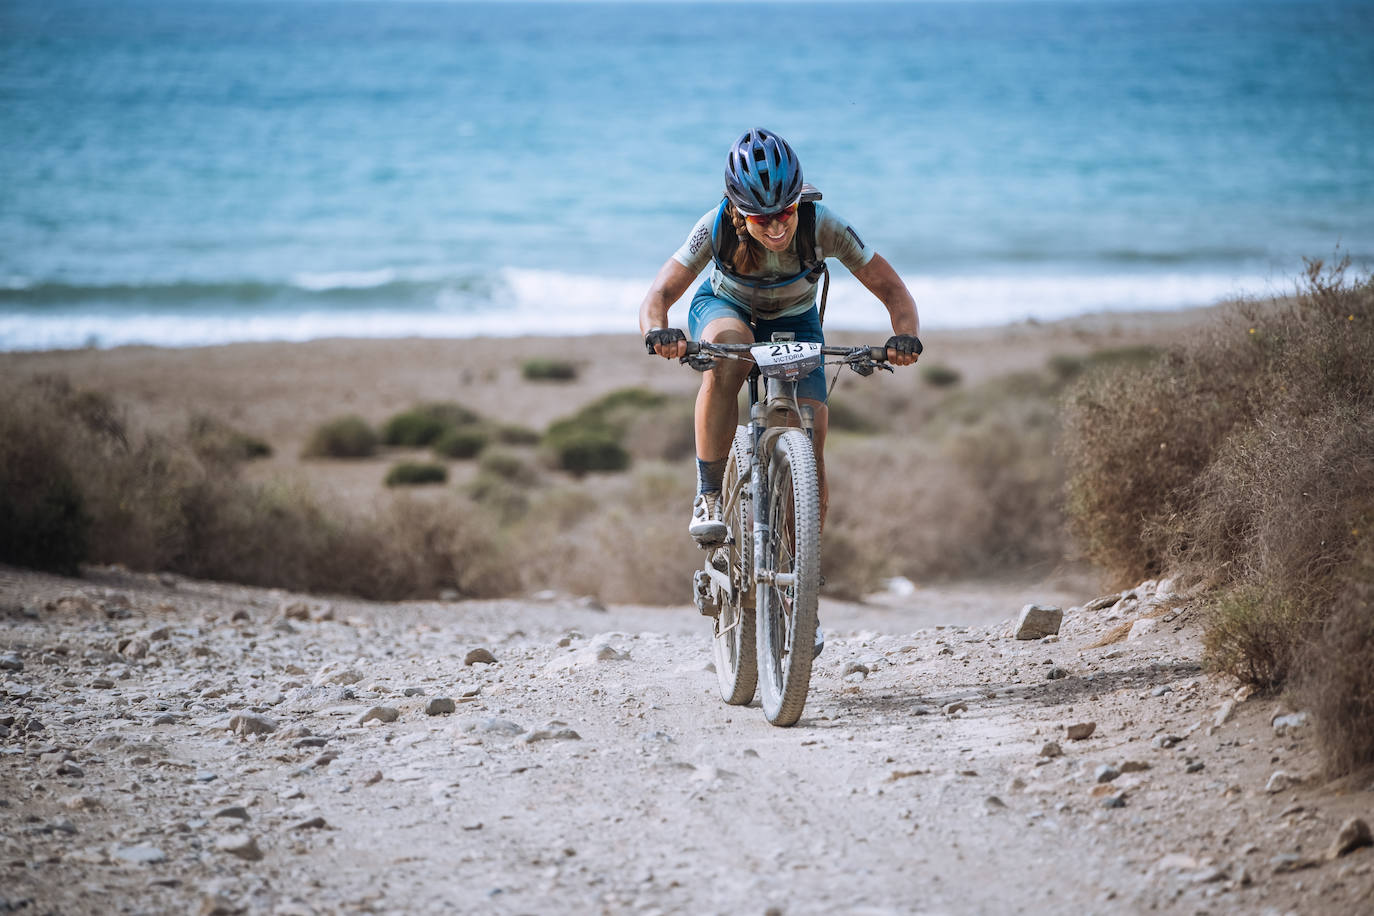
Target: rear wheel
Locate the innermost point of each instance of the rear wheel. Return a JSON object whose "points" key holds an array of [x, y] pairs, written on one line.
{"points": [[733, 644], [787, 608]]}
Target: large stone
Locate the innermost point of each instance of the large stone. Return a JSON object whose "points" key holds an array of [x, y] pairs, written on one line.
{"points": [[439, 706], [243, 845], [1142, 627], [1038, 621], [1354, 834], [1289, 723], [1080, 731], [492, 726], [1280, 780], [479, 656], [140, 855], [251, 723], [335, 674], [381, 714]]}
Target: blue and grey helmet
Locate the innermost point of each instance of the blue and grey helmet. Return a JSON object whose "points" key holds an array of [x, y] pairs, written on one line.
{"points": [[762, 174]]}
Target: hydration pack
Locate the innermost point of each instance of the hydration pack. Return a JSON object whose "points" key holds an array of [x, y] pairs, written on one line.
{"points": [[724, 241]]}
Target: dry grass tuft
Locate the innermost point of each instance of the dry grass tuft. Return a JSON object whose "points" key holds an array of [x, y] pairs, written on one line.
{"points": [[1113, 636]]}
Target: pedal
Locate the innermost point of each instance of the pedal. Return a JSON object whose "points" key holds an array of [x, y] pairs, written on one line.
{"points": [[702, 597]]}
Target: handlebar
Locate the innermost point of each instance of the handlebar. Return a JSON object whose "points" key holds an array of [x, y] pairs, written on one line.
{"points": [[702, 355], [733, 351]]}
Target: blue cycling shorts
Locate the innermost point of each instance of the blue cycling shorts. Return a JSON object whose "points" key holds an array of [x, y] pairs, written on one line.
{"points": [[707, 307]]}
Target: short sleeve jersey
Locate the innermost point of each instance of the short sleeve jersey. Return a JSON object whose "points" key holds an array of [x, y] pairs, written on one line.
{"points": [[836, 238]]}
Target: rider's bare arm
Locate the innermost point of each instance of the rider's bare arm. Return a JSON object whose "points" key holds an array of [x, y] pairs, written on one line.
{"points": [[882, 281], [672, 281]]}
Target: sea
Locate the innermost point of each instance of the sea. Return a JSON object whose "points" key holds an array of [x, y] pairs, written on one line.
{"points": [[191, 172]]}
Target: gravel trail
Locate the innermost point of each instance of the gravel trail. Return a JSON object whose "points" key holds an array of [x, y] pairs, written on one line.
{"points": [[173, 746]]}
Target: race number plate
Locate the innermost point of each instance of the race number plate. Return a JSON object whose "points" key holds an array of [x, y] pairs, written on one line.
{"points": [[787, 359]]}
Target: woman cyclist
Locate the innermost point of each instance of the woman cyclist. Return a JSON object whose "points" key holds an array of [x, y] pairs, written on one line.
{"points": [[764, 276]]}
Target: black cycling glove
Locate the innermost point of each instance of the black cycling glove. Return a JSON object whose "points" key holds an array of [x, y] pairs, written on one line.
{"points": [[906, 344], [665, 336]]}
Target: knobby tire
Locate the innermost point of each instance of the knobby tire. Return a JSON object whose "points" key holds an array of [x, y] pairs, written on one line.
{"points": [[787, 615], [733, 642]]}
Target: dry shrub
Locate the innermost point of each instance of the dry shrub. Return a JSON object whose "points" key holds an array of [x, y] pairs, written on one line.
{"points": [[622, 539], [1254, 633], [1245, 460], [981, 499], [1138, 441], [1278, 502], [43, 519], [80, 487], [1335, 678], [976, 492], [220, 441], [1135, 440]]}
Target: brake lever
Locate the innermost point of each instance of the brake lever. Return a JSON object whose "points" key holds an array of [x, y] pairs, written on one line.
{"points": [[698, 361], [865, 368]]}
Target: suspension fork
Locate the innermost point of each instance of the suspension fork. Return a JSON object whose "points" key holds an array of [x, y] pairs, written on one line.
{"points": [[768, 419]]}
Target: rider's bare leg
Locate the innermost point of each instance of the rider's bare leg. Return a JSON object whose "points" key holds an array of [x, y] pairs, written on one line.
{"points": [[717, 408]]}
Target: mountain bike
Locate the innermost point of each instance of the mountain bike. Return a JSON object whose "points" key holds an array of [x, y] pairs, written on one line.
{"points": [[760, 586]]}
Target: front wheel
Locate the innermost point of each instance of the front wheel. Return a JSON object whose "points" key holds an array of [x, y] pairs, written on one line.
{"points": [[787, 604], [733, 642]]}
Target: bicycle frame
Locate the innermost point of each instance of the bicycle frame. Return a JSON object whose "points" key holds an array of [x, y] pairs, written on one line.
{"points": [[779, 409], [760, 584]]}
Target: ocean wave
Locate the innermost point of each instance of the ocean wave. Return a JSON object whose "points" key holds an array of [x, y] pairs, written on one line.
{"points": [[342, 287], [519, 301], [344, 279]]}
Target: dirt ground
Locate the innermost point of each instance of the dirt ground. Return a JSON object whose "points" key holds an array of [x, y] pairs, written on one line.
{"points": [[174, 746]]}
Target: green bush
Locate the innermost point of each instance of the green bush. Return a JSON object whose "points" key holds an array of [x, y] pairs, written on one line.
{"points": [[938, 375], [593, 439], [462, 442], [549, 370], [412, 473], [343, 437], [425, 424], [581, 450], [413, 429]]}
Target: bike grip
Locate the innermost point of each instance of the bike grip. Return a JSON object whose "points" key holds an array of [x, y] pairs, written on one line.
{"points": [[878, 354], [693, 347]]}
